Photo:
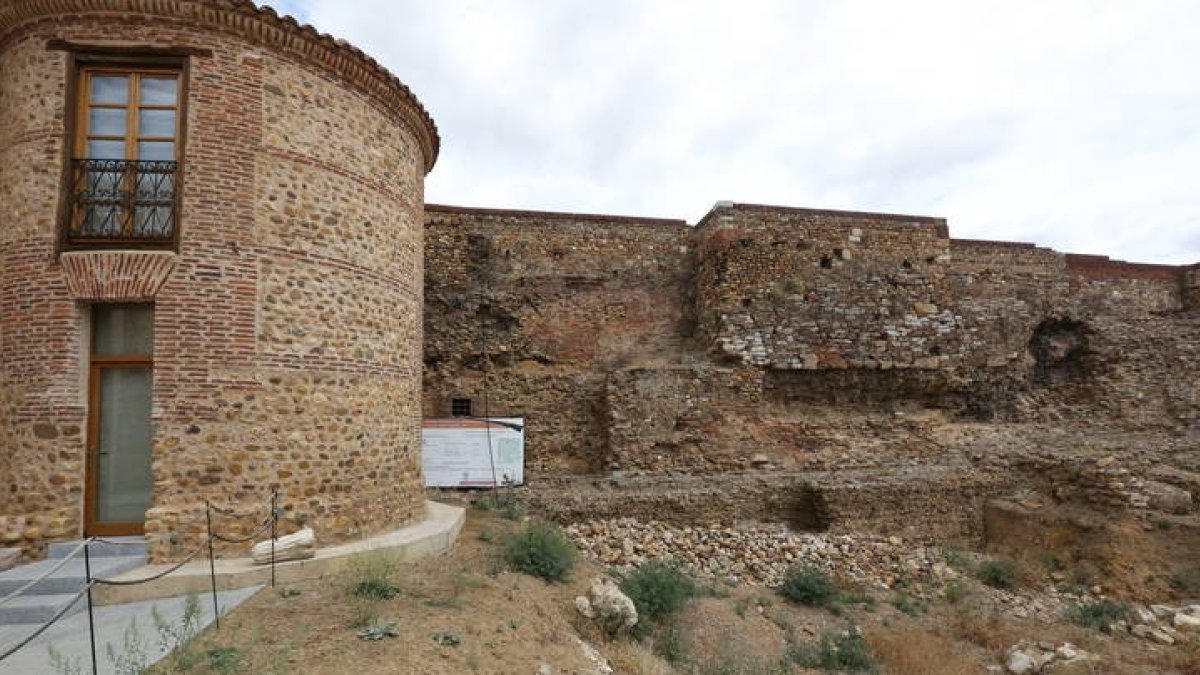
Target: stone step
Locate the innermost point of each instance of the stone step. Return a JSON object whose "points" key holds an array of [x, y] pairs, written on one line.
{"points": [[69, 579], [37, 609], [121, 547]]}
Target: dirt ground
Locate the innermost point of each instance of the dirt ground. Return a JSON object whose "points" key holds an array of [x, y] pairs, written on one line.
{"points": [[465, 613]]}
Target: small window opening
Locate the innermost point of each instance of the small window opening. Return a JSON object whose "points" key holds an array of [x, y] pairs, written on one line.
{"points": [[826, 262], [460, 407]]}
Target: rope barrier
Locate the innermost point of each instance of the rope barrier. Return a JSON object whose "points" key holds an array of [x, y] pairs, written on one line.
{"points": [[33, 582], [173, 568], [42, 629], [82, 546], [115, 542]]}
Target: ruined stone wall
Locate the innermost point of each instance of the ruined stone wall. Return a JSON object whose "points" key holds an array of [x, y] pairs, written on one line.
{"points": [[555, 301], [825, 341], [924, 504], [287, 329], [693, 418], [794, 288], [1191, 287]]}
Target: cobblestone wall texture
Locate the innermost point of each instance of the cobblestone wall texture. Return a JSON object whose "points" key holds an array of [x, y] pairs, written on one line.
{"points": [[798, 345], [288, 332]]}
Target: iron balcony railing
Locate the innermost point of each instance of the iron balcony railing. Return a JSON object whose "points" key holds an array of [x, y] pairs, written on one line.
{"points": [[117, 201]]}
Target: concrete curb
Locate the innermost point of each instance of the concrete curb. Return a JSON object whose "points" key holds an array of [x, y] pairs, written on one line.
{"points": [[436, 534]]}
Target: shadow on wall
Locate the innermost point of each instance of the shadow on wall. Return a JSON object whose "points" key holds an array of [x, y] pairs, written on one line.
{"points": [[807, 511], [1061, 350]]}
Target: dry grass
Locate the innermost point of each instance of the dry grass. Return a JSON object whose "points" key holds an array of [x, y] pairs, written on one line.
{"points": [[984, 628], [627, 656], [914, 652], [1184, 660]]}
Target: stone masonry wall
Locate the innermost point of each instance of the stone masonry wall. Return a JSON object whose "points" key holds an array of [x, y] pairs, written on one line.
{"points": [[555, 301], [826, 350], [288, 333], [792, 288], [41, 384]]}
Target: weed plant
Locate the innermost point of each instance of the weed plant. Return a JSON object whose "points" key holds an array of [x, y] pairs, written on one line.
{"points": [[807, 585], [540, 549], [845, 651], [998, 573], [658, 590], [1099, 614]]}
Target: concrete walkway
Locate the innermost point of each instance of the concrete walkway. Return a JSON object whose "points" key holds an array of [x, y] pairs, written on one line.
{"points": [[119, 607], [431, 536], [70, 635]]}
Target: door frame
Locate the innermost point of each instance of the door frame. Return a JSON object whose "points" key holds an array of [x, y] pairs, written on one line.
{"points": [[96, 366]]}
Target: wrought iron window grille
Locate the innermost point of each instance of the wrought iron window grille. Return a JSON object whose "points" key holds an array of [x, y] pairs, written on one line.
{"points": [[123, 201]]}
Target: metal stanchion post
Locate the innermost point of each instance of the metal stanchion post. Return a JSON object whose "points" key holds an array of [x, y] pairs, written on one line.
{"points": [[274, 530], [212, 569], [87, 575]]}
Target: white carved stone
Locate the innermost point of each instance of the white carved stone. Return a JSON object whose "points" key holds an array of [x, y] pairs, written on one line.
{"points": [[298, 546]]}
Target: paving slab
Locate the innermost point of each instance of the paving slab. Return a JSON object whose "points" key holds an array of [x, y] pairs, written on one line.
{"points": [[70, 635]]}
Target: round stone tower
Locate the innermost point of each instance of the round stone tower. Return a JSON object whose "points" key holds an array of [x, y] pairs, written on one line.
{"points": [[210, 274]]}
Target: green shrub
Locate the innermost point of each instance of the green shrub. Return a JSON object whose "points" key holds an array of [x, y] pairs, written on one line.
{"points": [[369, 575], [956, 591], [956, 558], [841, 651], [658, 590], [1099, 615], [540, 549], [807, 585], [998, 573], [907, 604], [502, 499], [671, 644]]}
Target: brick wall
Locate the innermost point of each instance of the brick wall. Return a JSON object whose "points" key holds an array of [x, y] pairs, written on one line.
{"points": [[288, 327]]}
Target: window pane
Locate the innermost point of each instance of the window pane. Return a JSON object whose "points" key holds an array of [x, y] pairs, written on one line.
{"points": [[122, 329], [153, 186], [101, 220], [106, 122], [103, 185], [110, 89], [106, 149], [156, 150], [152, 221], [125, 480], [156, 123], [158, 90]]}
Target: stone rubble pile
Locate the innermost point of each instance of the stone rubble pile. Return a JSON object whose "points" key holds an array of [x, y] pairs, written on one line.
{"points": [[758, 554], [1163, 624], [1026, 658]]}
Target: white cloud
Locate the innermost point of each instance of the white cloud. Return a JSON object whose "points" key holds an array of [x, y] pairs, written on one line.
{"points": [[1071, 123]]}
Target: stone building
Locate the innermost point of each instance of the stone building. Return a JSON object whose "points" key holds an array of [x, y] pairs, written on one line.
{"points": [[210, 273]]}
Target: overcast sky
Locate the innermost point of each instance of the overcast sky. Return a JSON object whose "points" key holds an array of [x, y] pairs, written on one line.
{"points": [[1072, 124]]}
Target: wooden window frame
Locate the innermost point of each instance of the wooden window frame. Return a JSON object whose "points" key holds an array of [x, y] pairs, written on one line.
{"points": [[81, 64], [96, 368], [97, 364]]}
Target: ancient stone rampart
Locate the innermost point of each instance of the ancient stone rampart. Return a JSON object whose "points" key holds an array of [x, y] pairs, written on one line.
{"points": [[770, 341]]}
